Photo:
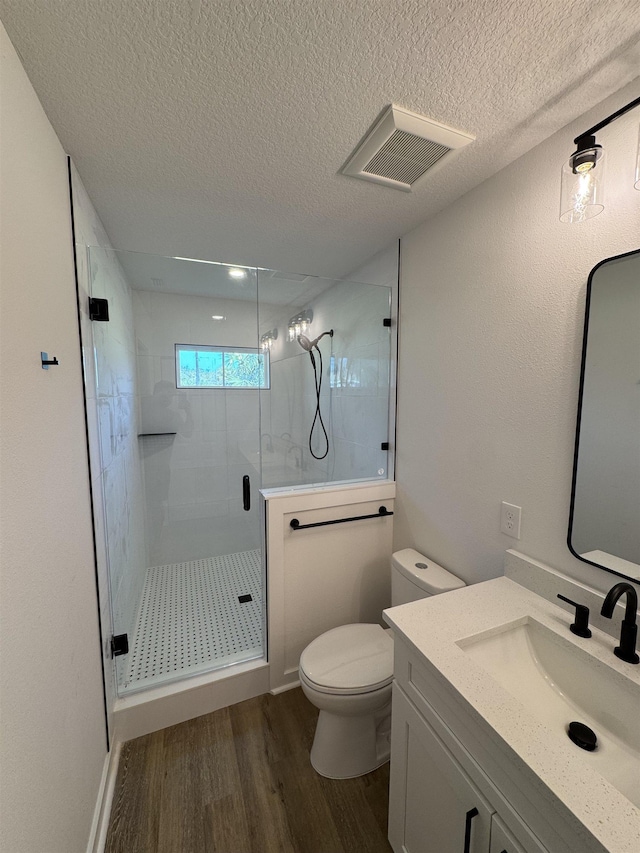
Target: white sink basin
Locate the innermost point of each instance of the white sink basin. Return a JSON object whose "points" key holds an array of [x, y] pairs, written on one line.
{"points": [[559, 682]]}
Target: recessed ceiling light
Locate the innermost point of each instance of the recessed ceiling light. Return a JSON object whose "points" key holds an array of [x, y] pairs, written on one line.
{"points": [[236, 272], [218, 317]]}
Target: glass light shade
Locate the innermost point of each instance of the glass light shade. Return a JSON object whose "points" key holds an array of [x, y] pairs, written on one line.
{"points": [[582, 192], [266, 340], [637, 180]]}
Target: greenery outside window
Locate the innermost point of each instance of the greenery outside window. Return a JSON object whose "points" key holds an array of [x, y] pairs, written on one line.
{"points": [[221, 367]]}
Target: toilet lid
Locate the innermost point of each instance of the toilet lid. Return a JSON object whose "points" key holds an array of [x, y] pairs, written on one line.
{"points": [[355, 658]]}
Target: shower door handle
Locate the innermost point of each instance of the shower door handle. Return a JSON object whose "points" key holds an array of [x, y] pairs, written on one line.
{"points": [[246, 493]]}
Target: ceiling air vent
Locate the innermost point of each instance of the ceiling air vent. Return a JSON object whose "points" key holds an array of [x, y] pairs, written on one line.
{"points": [[401, 147]]}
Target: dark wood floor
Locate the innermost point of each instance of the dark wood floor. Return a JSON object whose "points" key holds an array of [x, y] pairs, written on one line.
{"points": [[239, 781]]}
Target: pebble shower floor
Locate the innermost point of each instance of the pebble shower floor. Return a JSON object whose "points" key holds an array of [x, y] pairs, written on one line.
{"points": [[191, 619]]}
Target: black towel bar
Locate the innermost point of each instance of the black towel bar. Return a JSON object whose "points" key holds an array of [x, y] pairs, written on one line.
{"points": [[382, 513]]}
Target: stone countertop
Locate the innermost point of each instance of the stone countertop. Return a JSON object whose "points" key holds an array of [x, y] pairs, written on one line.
{"points": [[433, 626]]}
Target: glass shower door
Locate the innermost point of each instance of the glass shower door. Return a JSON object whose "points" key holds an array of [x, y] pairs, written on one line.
{"points": [[325, 417], [178, 372]]}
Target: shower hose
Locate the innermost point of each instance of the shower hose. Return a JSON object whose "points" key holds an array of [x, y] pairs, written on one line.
{"points": [[317, 418]]}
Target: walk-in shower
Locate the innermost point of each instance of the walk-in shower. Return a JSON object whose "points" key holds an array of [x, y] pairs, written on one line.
{"points": [[205, 396]]}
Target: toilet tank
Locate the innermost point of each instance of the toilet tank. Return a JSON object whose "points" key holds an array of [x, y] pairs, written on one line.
{"points": [[415, 576]]}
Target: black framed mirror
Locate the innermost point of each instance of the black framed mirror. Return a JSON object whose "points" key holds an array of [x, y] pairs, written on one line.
{"points": [[604, 522]]}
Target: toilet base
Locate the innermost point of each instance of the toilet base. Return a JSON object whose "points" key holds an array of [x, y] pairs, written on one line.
{"points": [[346, 747]]}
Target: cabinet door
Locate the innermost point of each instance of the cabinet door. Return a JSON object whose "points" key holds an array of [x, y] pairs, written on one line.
{"points": [[433, 806], [501, 839]]}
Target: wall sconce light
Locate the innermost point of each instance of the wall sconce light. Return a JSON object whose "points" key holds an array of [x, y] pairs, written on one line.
{"points": [[582, 189], [266, 340], [299, 324]]}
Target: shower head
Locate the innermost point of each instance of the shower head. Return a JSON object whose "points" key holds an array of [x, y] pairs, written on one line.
{"points": [[308, 345], [305, 343]]}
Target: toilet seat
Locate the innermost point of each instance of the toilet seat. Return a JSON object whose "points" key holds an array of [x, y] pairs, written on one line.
{"points": [[344, 691], [349, 660]]}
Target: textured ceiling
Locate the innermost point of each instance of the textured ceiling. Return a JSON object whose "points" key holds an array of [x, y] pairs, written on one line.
{"points": [[217, 129]]}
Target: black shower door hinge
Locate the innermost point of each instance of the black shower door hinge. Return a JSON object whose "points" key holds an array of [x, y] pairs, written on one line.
{"points": [[386, 321], [119, 645], [98, 309]]}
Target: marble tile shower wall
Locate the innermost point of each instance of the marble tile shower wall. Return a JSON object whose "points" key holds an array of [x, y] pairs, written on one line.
{"points": [[193, 479], [119, 459], [360, 381], [286, 418], [110, 375], [355, 394]]}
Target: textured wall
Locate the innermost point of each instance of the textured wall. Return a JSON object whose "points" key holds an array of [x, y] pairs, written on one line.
{"points": [[492, 308], [52, 744]]}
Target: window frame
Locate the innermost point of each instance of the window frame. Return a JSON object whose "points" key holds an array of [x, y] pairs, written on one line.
{"points": [[177, 348]]}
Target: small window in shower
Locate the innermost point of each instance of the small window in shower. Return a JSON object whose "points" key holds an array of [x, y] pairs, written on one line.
{"points": [[221, 367]]}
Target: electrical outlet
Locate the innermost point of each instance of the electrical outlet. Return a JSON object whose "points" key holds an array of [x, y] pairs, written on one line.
{"points": [[510, 516]]}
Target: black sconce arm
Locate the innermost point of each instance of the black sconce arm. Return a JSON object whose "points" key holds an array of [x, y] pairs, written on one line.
{"points": [[585, 137]]}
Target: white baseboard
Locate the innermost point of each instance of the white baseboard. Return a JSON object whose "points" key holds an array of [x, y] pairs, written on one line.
{"points": [[289, 679], [102, 812], [284, 687]]}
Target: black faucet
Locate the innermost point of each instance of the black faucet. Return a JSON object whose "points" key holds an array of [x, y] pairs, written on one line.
{"points": [[627, 649]]}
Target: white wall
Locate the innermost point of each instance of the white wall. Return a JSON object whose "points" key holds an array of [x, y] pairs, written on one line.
{"points": [[491, 311], [53, 744]]}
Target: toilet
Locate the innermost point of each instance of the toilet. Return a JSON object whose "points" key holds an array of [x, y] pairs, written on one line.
{"points": [[347, 673]]}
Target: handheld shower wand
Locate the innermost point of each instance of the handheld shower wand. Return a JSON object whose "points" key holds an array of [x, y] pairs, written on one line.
{"points": [[309, 346]]}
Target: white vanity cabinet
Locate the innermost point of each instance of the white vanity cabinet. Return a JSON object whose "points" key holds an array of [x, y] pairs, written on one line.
{"points": [[435, 806], [502, 841], [474, 729]]}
